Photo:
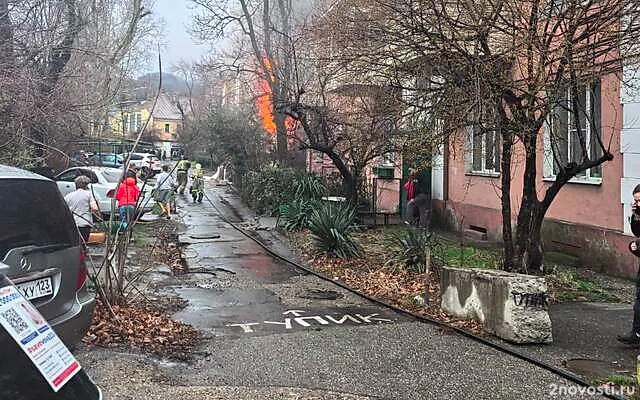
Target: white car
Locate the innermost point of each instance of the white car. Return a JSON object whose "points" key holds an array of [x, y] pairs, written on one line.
{"points": [[144, 161], [104, 182]]}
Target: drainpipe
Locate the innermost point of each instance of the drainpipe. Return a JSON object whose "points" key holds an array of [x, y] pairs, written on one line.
{"points": [[445, 172]]}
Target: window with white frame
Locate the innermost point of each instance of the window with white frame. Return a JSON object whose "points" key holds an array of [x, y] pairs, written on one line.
{"points": [[573, 130], [483, 143], [388, 159]]}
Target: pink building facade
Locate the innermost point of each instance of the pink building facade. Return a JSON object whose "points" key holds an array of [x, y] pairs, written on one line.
{"points": [[588, 218], [387, 196]]}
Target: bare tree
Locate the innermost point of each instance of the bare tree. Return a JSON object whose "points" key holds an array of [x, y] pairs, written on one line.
{"points": [[524, 73], [267, 26], [62, 63]]}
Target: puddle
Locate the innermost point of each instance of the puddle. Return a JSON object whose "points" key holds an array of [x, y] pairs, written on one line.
{"points": [[204, 299], [211, 309], [269, 270]]}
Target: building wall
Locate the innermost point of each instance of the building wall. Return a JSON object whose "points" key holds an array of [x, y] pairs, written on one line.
{"points": [[160, 126], [387, 191], [586, 219], [132, 118], [630, 142]]}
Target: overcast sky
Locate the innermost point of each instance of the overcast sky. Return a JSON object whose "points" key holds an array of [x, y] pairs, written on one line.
{"points": [[176, 15]]}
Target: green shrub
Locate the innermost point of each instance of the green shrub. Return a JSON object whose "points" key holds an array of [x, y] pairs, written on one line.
{"points": [[412, 245], [330, 225], [309, 186], [297, 214], [266, 189]]}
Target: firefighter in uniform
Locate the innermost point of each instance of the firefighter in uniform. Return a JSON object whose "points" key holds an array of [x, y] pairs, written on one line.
{"points": [[183, 174]]}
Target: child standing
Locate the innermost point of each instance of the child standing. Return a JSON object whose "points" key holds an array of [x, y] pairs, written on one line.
{"points": [[127, 197]]}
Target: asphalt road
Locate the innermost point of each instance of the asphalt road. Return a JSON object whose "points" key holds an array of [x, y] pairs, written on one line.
{"points": [[273, 332]]}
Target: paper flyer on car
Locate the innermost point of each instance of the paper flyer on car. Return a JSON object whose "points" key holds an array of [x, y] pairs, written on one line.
{"points": [[36, 338]]}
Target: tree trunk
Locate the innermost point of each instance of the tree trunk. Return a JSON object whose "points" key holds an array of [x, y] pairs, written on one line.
{"points": [[349, 181], [507, 232], [354, 186], [528, 254], [281, 135]]}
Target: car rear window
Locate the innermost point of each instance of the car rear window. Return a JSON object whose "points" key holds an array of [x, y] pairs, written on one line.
{"points": [[33, 213]]}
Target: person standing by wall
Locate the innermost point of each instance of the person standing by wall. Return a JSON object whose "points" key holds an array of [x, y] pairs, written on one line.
{"points": [[633, 338], [417, 200], [409, 186], [82, 205], [183, 171]]}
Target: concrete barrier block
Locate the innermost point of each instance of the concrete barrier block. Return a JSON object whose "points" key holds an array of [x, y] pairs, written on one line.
{"points": [[512, 306]]}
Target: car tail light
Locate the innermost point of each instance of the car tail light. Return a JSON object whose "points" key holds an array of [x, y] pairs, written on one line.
{"points": [[111, 193], [83, 272]]}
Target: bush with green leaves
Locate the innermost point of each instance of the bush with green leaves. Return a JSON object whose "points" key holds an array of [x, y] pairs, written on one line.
{"points": [[309, 187], [264, 190], [331, 225], [412, 245], [297, 214]]}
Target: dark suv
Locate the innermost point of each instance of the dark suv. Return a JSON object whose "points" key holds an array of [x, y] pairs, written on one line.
{"points": [[40, 243]]}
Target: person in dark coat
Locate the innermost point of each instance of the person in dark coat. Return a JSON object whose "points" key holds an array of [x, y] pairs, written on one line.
{"points": [[633, 337], [417, 200]]}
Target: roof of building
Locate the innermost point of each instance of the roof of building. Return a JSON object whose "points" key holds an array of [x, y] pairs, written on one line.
{"points": [[165, 108]]}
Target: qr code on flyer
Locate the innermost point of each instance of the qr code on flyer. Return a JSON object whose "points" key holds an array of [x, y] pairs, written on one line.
{"points": [[15, 320]]}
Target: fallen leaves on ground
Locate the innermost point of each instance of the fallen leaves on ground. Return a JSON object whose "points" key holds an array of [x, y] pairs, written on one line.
{"points": [[143, 328], [369, 274]]}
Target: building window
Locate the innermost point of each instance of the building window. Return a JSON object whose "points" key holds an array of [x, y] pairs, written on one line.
{"points": [[569, 139], [483, 144], [388, 159], [166, 128], [138, 122]]}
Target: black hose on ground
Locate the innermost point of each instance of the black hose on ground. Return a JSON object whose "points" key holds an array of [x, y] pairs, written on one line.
{"points": [[539, 363]]}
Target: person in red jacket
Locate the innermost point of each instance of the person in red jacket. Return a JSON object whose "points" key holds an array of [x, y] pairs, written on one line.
{"points": [[127, 197]]}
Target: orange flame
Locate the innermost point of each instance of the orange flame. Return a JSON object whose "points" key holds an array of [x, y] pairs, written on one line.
{"points": [[264, 102], [265, 105]]}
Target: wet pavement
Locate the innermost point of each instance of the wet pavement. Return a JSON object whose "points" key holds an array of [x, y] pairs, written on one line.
{"points": [[268, 324], [272, 331]]}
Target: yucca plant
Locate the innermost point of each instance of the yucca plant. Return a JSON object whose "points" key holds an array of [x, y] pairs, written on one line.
{"points": [[309, 187], [331, 225], [297, 214], [412, 245]]}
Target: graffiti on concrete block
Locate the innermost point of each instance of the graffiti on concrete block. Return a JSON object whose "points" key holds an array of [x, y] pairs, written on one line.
{"points": [[530, 299]]}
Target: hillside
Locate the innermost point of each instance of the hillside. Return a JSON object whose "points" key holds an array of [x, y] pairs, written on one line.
{"points": [[171, 84]]}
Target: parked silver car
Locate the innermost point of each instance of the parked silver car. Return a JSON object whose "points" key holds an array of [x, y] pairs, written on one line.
{"points": [[104, 183], [40, 243]]}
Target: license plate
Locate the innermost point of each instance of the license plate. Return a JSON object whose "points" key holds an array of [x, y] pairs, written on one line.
{"points": [[36, 289]]}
